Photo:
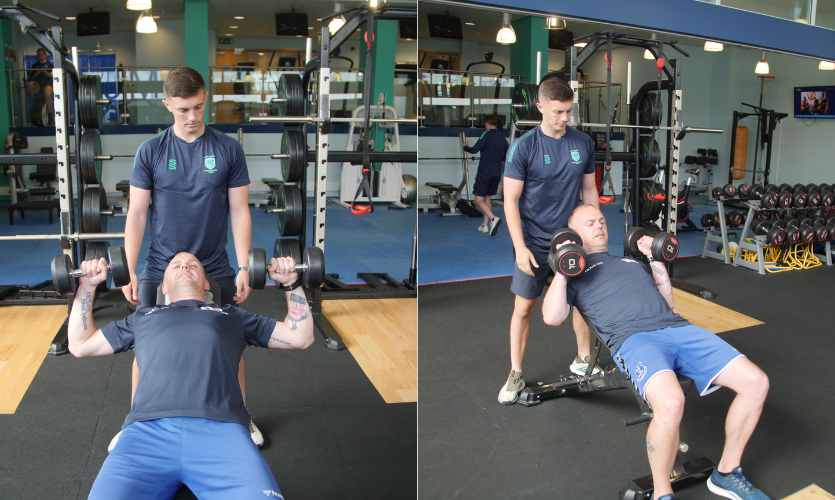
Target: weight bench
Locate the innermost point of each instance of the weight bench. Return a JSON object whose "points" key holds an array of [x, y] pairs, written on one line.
{"points": [[687, 468], [449, 197]]}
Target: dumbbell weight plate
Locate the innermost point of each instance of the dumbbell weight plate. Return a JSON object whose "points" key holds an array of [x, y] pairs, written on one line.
{"points": [[653, 228], [89, 167], [649, 156], [707, 221], [314, 259], [744, 190], [568, 260], [292, 144], [118, 265], [290, 220], [718, 192], [775, 236], [650, 110], [257, 265], [729, 190], [630, 241], [62, 281], [290, 88], [665, 247], [93, 203], [90, 113], [526, 95], [735, 217]]}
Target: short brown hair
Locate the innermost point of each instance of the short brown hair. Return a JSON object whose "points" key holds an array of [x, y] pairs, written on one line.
{"points": [[183, 82], [577, 209], [555, 89], [492, 120]]}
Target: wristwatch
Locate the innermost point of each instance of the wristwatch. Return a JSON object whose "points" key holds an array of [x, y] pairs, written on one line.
{"points": [[292, 286], [243, 268]]}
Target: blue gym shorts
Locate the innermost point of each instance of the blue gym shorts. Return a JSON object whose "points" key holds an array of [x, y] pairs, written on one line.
{"points": [[527, 286], [486, 185], [689, 350], [154, 458]]}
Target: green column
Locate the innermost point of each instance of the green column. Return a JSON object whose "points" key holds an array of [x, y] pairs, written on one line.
{"points": [[5, 101], [383, 51], [531, 36], [197, 39]]}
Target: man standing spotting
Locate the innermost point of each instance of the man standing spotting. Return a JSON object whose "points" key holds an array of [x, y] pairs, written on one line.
{"points": [[197, 177], [546, 171]]}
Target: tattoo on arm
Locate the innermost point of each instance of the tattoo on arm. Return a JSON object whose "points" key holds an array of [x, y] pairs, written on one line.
{"points": [[659, 274], [297, 299], [85, 308], [650, 447], [279, 340], [298, 311]]}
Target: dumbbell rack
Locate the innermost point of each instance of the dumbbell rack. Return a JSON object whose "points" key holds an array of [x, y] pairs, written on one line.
{"points": [[757, 246]]}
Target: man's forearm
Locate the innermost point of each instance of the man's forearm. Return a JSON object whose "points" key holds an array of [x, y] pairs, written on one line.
{"points": [[242, 234], [590, 197], [134, 231], [81, 326], [299, 320], [662, 281], [555, 307], [514, 223]]}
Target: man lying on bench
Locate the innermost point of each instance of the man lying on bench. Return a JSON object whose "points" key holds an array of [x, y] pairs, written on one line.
{"points": [[633, 314]]}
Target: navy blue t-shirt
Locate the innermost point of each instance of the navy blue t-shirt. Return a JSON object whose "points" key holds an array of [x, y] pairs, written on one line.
{"points": [[189, 185], [552, 170], [493, 147], [41, 78], [188, 353], [620, 297]]}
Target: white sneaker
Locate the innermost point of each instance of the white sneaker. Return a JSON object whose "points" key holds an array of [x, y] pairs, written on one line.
{"points": [[494, 225], [483, 229], [255, 434], [580, 365], [114, 441], [510, 391]]}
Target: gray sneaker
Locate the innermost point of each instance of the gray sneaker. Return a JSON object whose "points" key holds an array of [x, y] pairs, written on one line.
{"points": [[580, 365], [510, 391]]}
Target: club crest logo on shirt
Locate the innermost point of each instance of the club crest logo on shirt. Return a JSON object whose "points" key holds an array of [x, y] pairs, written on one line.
{"points": [[547, 159], [209, 161], [640, 372], [172, 164], [575, 155]]}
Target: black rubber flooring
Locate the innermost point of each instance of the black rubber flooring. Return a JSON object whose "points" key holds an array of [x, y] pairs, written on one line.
{"points": [[328, 432], [470, 446]]}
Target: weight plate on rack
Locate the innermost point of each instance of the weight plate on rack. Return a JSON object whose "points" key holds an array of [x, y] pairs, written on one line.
{"points": [[89, 167], [292, 144]]}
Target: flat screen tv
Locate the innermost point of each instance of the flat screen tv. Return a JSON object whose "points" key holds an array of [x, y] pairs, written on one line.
{"points": [[813, 102]]}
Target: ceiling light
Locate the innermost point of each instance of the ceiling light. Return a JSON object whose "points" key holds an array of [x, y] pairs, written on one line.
{"points": [[338, 21], [229, 34], [555, 23], [826, 65], [238, 17], [468, 23], [98, 47], [374, 3], [70, 18], [146, 24], [648, 53], [138, 4], [260, 53], [800, 11], [233, 27], [714, 46], [580, 44], [762, 65], [506, 35]]}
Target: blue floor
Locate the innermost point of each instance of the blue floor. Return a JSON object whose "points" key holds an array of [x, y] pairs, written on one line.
{"points": [[451, 249], [379, 242]]}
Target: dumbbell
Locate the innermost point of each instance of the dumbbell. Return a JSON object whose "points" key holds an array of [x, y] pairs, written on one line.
{"points": [[784, 196], [743, 190], [817, 225], [827, 195], [737, 218], [708, 222], [792, 233], [830, 226], [726, 191], [807, 234], [664, 245], [767, 199], [570, 259], [65, 278], [800, 196], [774, 234], [776, 214], [813, 195], [312, 267]]}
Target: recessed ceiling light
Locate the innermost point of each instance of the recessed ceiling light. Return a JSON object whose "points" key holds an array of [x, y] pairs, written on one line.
{"points": [[233, 27], [239, 17], [299, 36], [310, 27], [260, 53], [469, 23], [319, 19], [70, 18], [229, 34], [155, 17]]}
